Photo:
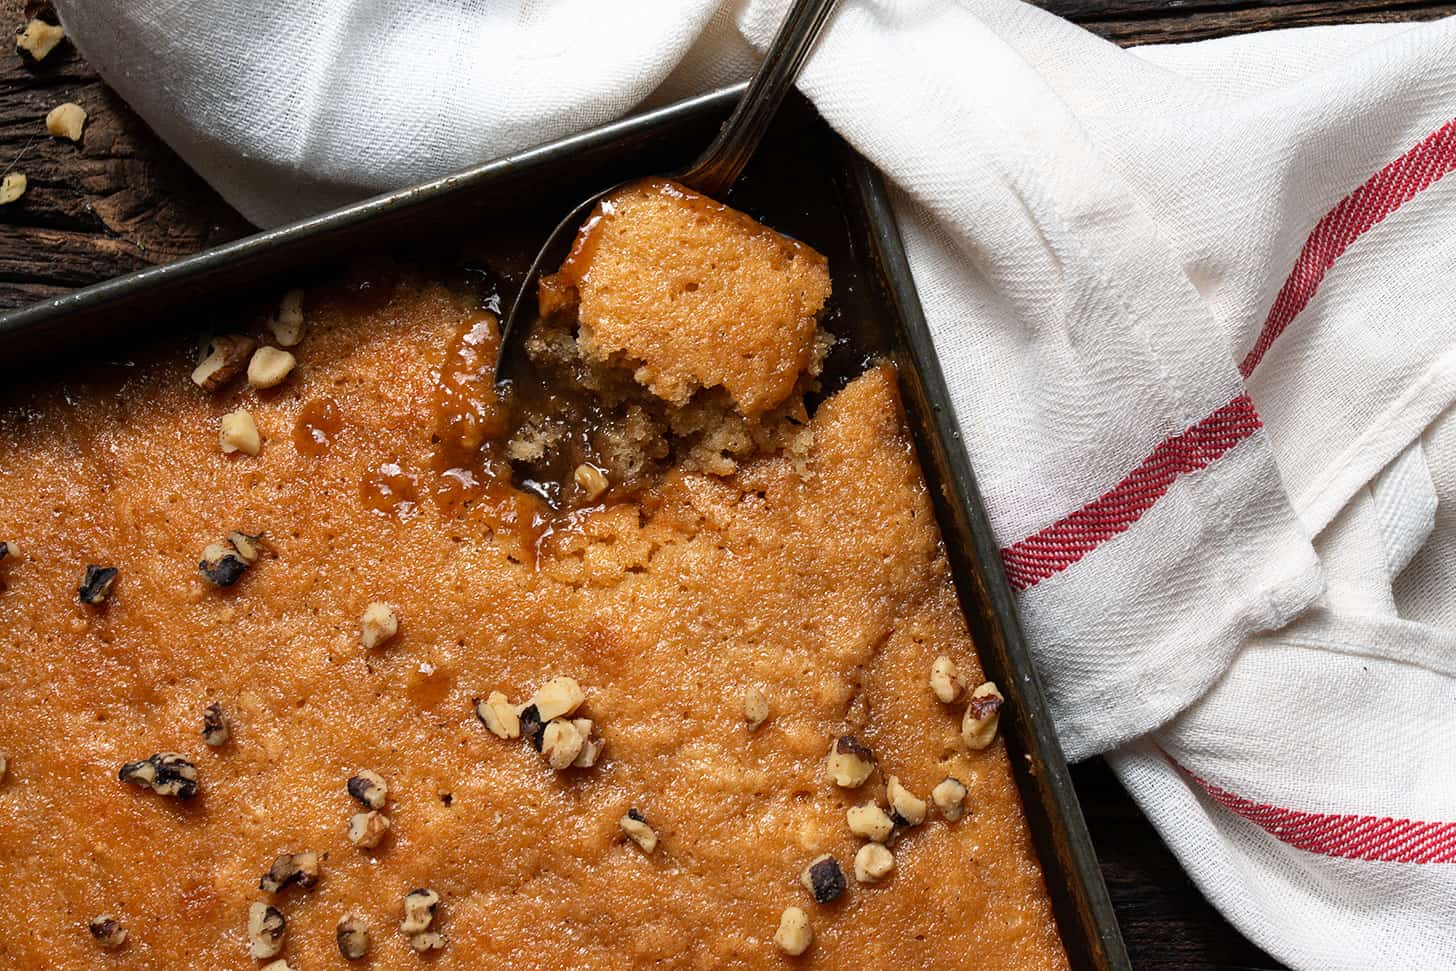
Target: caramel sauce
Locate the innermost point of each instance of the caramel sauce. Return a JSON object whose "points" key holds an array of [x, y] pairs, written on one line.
{"points": [[511, 512], [468, 415], [390, 490], [318, 425]]}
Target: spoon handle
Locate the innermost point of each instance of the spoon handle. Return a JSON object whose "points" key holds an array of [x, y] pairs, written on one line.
{"points": [[719, 167]]}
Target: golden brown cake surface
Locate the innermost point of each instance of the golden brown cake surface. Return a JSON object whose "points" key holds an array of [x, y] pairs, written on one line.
{"points": [[695, 295], [829, 592]]}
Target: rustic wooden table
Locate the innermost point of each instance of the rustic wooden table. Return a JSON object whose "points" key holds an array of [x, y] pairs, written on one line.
{"points": [[120, 201]]}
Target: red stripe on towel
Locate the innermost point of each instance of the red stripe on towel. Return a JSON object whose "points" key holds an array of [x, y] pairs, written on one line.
{"points": [[1382, 839], [1053, 549], [1060, 545], [1384, 193]]}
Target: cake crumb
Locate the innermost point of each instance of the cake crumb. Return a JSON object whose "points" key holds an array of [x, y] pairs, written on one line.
{"points": [[592, 481]]}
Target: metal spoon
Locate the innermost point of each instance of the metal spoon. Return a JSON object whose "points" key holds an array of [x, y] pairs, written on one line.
{"points": [[714, 171]]}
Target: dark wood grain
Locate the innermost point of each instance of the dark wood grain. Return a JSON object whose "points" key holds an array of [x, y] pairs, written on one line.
{"points": [[117, 201], [121, 200]]}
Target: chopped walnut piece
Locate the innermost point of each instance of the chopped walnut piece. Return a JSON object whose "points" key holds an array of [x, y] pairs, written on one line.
{"points": [[532, 727], [794, 934], [592, 481], [66, 121], [823, 878], [906, 808], [278, 965], [983, 714], [107, 931], [561, 743], [266, 927], [352, 936], [270, 367], [225, 562], [498, 715], [873, 863], [949, 797], [369, 788], [635, 825], [237, 432], [3, 766], [38, 38], [96, 584], [870, 822], [419, 910], [591, 745], [850, 763], [215, 729], [286, 325], [755, 708], [378, 624], [291, 868], [9, 548], [943, 680], [557, 697], [224, 359], [12, 187], [367, 829], [428, 941], [165, 773]]}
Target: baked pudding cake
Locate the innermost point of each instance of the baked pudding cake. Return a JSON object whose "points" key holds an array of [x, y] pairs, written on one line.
{"points": [[303, 665]]}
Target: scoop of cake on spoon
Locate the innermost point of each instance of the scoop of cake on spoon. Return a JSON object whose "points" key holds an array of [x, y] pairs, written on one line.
{"points": [[711, 175]]}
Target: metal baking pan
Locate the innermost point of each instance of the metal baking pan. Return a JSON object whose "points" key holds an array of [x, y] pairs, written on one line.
{"points": [[805, 182]]}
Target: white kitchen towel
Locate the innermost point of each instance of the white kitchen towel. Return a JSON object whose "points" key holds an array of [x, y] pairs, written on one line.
{"points": [[1193, 303]]}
